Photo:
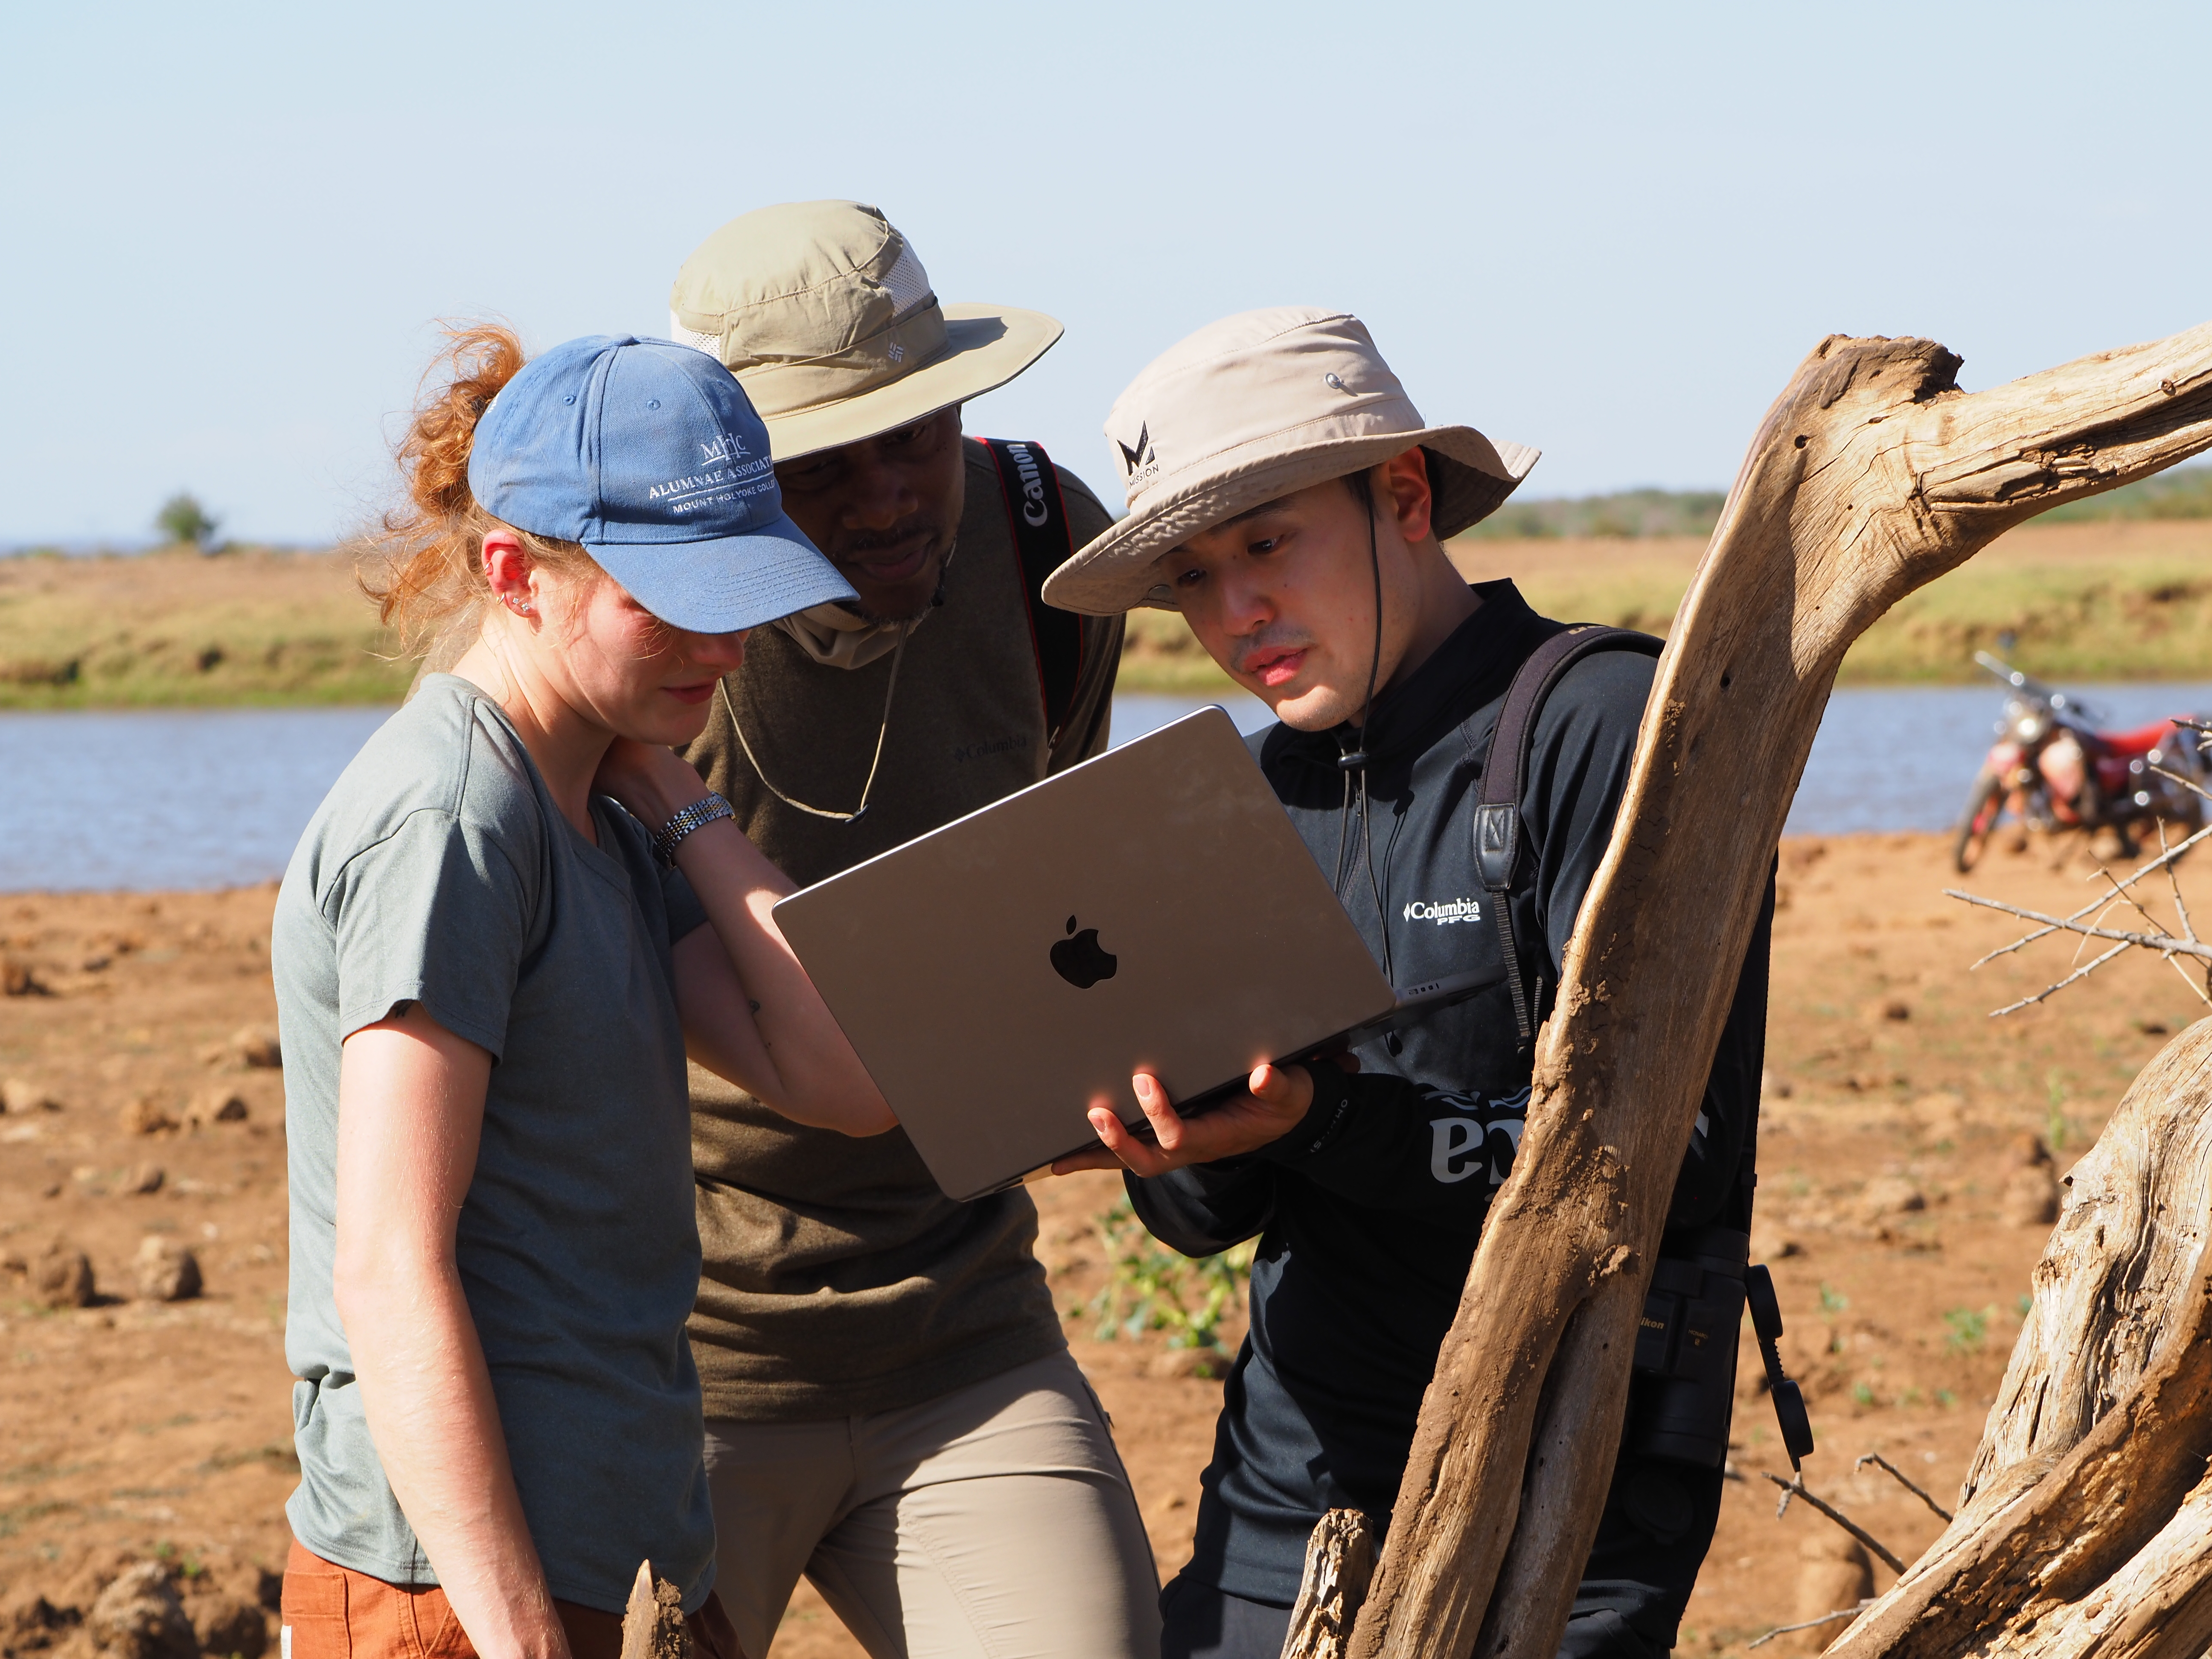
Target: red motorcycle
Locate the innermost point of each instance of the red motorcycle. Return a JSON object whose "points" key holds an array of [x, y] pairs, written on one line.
{"points": [[2052, 769]]}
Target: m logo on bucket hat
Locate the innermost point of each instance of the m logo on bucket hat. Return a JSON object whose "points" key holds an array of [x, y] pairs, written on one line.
{"points": [[648, 456], [1139, 463], [1256, 406]]}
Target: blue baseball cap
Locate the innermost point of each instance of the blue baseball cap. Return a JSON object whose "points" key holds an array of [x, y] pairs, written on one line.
{"points": [[648, 455]]}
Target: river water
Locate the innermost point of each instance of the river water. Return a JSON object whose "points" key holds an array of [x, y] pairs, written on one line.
{"points": [[154, 800]]}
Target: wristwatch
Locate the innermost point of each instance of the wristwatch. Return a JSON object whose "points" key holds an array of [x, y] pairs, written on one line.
{"points": [[700, 813]]}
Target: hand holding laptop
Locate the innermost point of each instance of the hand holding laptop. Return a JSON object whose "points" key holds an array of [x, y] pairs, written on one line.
{"points": [[1150, 911], [1274, 1101]]}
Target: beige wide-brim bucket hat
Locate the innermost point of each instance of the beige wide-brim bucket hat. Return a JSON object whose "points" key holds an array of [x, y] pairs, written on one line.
{"points": [[827, 319], [1255, 407]]}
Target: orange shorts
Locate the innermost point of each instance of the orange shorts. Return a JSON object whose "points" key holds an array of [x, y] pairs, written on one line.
{"points": [[332, 1612]]}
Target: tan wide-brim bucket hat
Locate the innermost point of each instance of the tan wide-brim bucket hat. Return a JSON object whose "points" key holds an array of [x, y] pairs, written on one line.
{"points": [[1255, 407], [827, 319]]}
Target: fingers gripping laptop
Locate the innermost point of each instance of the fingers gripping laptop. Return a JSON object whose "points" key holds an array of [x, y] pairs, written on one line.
{"points": [[1150, 909]]}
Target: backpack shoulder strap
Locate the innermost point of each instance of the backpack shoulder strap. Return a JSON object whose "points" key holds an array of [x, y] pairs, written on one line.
{"points": [[1043, 541], [1502, 854]]}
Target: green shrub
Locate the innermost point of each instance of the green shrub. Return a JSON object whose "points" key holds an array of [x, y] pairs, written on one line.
{"points": [[1969, 1329], [1149, 1287], [183, 519]]}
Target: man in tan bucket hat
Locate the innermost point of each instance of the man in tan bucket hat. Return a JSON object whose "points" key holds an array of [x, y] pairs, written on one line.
{"points": [[891, 1408], [1286, 494]]}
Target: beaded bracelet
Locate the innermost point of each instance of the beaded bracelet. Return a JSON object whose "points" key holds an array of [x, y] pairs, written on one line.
{"points": [[697, 814]]}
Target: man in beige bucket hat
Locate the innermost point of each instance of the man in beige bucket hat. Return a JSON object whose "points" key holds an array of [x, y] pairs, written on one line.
{"points": [[891, 1408], [1286, 494]]}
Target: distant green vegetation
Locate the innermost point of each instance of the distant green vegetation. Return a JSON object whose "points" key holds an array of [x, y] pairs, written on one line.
{"points": [[2147, 618], [179, 630], [2133, 616], [2185, 492], [258, 626], [2140, 617], [1626, 512], [183, 520]]}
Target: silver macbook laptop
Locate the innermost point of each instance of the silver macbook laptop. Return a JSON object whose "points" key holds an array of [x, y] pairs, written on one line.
{"points": [[1152, 908]]}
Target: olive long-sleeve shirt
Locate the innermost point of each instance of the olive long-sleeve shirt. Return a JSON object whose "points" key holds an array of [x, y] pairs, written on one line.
{"points": [[838, 1279]]}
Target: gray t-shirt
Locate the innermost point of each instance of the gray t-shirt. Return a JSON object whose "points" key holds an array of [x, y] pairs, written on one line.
{"points": [[439, 871]]}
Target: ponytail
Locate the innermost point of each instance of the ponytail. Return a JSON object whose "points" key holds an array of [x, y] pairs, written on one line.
{"points": [[424, 563]]}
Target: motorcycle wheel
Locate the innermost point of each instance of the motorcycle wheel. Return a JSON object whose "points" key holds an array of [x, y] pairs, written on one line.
{"points": [[1981, 809]]}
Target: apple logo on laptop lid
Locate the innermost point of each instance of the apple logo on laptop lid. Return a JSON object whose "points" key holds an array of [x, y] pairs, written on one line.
{"points": [[1081, 960]]}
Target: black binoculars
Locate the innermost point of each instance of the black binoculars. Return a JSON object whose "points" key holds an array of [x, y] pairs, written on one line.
{"points": [[1684, 1386]]}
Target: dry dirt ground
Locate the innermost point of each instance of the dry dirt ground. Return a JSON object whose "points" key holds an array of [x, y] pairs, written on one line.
{"points": [[1895, 1119]]}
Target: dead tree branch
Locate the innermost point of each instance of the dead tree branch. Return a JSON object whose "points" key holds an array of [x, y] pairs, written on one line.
{"points": [[1871, 476], [2173, 881], [653, 1624], [2085, 1523], [1902, 1480], [1810, 1623], [2165, 861], [1339, 1562], [2165, 944], [1796, 1488]]}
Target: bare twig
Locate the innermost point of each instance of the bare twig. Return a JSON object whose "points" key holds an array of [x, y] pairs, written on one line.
{"points": [[2165, 944], [2159, 939], [1902, 1480], [2180, 904], [1796, 1489], [2190, 784], [2164, 861], [2122, 895], [1810, 1623], [2195, 990], [2083, 972]]}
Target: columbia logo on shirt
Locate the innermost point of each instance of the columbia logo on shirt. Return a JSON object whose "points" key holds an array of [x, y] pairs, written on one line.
{"points": [[1442, 911]]}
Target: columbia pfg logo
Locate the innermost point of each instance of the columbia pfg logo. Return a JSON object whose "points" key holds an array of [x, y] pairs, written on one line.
{"points": [[1445, 911]]}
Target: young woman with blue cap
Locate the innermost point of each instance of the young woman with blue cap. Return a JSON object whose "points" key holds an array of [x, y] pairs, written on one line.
{"points": [[511, 921]]}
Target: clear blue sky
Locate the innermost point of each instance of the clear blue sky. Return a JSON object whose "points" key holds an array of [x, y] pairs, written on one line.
{"points": [[1607, 230]]}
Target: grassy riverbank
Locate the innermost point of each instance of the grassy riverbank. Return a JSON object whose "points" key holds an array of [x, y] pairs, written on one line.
{"points": [[2099, 601], [2095, 601], [177, 630]]}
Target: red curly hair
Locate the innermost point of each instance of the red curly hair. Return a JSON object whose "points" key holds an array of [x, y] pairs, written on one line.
{"points": [[423, 565]]}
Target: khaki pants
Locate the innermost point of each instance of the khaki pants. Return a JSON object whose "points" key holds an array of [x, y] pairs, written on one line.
{"points": [[995, 1520]]}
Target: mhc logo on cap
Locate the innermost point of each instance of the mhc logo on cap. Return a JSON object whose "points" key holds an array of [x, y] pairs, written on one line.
{"points": [[650, 456]]}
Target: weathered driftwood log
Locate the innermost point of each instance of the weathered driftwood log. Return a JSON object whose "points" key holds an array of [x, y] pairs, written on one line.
{"points": [[2084, 1525], [1871, 475], [1339, 1561], [653, 1624]]}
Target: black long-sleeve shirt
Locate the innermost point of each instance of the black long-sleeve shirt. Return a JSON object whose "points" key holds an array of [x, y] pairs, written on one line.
{"points": [[1369, 1211]]}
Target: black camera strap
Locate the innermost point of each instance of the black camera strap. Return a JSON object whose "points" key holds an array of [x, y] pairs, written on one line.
{"points": [[1044, 540]]}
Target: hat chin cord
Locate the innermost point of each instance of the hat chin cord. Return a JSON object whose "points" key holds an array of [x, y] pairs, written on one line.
{"points": [[890, 690], [1355, 760], [882, 731]]}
